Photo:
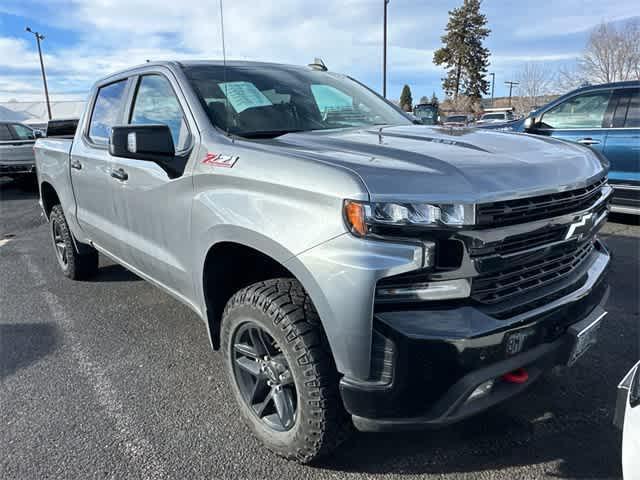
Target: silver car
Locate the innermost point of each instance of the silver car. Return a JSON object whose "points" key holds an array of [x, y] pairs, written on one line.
{"points": [[16, 149]]}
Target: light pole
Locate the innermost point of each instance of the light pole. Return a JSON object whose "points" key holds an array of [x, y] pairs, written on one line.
{"points": [[511, 84], [493, 82], [44, 77], [384, 53]]}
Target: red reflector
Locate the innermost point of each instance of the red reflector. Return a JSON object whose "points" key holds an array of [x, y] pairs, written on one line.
{"points": [[517, 376]]}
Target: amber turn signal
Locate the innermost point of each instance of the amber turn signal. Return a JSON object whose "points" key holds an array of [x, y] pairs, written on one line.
{"points": [[354, 215]]}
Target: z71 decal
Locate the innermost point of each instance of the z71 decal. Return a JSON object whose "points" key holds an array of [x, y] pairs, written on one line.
{"points": [[218, 160]]}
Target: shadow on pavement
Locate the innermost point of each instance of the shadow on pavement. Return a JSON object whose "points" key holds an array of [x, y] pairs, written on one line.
{"points": [[114, 273], [17, 190], [22, 344]]}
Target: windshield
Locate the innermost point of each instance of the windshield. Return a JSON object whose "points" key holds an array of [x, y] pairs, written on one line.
{"points": [[267, 101], [456, 118], [494, 116]]}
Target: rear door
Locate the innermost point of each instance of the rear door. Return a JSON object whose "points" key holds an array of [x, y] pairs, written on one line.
{"points": [[622, 146], [578, 119], [155, 199], [91, 168], [16, 145]]}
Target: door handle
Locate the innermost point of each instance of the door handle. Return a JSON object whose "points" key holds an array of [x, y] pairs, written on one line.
{"points": [[76, 164], [588, 141], [119, 174]]}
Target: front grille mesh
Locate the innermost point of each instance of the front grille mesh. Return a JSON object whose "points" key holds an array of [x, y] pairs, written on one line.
{"points": [[497, 287], [523, 210]]}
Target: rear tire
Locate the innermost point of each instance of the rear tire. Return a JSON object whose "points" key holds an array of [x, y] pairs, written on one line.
{"points": [[74, 265], [296, 349]]}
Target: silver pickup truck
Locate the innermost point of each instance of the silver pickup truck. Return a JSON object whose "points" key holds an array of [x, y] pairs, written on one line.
{"points": [[16, 150], [352, 267]]}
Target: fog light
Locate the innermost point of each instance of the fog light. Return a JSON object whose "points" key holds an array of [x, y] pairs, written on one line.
{"points": [[481, 390]]}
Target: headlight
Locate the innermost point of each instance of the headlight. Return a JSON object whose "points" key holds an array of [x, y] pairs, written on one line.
{"points": [[362, 216]]}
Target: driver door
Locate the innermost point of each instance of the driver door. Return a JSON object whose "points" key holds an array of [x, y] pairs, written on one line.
{"points": [[155, 198]]}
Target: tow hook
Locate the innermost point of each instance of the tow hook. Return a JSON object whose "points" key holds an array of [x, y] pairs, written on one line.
{"points": [[518, 376]]}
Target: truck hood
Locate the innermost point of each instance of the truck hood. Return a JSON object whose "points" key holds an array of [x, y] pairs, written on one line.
{"points": [[465, 165]]}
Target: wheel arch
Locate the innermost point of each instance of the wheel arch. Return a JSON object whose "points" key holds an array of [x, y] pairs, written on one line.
{"points": [[49, 197], [240, 264]]}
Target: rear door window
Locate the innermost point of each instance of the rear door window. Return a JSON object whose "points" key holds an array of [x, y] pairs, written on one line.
{"points": [[106, 111], [581, 111], [632, 119]]}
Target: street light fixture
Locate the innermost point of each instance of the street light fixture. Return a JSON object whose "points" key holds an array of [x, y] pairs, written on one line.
{"points": [[44, 77]]}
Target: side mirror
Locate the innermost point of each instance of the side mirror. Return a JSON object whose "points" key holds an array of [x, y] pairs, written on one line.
{"points": [[142, 142], [38, 134], [529, 122]]}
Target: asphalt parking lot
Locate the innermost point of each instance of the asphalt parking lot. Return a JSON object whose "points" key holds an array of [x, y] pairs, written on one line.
{"points": [[112, 378]]}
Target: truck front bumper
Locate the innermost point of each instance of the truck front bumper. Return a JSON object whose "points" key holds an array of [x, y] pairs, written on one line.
{"points": [[447, 364]]}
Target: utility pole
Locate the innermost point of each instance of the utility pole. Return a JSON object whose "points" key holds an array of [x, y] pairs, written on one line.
{"points": [[511, 84], [493, 82], [44, 77], [384, 53]]}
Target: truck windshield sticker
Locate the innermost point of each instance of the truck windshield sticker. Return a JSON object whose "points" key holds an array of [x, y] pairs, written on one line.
{"points": [[244, 95]]}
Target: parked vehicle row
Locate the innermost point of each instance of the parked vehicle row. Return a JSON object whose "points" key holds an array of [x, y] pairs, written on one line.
{"points": [[351, 266]]}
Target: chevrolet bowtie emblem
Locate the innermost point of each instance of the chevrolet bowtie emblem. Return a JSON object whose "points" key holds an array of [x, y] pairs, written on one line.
{"points": [[586, 219]]}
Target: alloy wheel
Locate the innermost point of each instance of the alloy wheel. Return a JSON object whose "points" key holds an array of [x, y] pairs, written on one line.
{"points": [[263, 377]]}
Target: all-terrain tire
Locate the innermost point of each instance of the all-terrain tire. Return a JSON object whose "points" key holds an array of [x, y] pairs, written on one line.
{"points": [[285, 311], [73, 264]]}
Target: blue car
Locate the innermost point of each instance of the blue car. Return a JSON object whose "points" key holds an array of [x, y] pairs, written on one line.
{"points": [[604, 117]]}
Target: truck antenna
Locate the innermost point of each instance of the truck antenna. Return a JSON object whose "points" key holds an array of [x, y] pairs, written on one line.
{"points": [[224, 70]]}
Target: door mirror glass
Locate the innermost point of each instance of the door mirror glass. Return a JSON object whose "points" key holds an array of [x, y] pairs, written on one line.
{"points": [[142, 142]]}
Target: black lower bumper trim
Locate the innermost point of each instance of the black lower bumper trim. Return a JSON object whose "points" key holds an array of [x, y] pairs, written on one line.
{"points": [[442, 356]]}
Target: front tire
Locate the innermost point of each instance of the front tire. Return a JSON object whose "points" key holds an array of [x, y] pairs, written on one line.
{"points": [[74, 265], [281, 371]]}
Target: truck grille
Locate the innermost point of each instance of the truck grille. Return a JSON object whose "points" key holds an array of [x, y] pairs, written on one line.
{"points": [[510, 212], [497, 287]]}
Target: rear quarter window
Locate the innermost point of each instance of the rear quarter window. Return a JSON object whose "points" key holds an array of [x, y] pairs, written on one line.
{"points": [[107, 111]]}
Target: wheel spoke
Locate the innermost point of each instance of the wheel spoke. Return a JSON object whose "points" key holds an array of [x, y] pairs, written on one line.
{"points": [[260, 391], [284, 406], [246, 350], [258, 342], [260, 407], [248, 365]]}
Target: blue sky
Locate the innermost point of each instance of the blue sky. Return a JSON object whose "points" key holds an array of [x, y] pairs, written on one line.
{"points": [[86, 39]]}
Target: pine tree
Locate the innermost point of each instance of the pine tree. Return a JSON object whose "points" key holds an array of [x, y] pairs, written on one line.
{"points": [[406, 102], [463, 53], [434, 100]]}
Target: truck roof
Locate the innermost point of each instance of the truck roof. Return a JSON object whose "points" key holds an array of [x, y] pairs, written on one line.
{"points": [[190, 63]]}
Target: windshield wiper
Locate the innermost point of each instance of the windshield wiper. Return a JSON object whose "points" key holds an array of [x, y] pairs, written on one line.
{"points": [[267, 133]]}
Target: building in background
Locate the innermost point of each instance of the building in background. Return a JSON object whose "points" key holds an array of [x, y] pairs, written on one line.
{"points": [[34, 114]]}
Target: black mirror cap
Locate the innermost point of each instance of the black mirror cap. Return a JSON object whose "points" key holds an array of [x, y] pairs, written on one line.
{"points": [[37, 134], [142, 142]]}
